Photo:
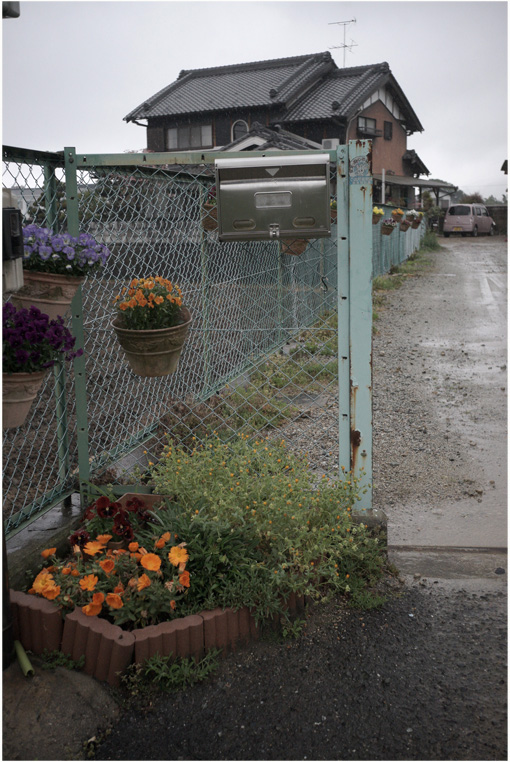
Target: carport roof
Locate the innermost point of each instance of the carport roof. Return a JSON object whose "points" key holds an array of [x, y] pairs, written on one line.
{"points": [[417, 182]]}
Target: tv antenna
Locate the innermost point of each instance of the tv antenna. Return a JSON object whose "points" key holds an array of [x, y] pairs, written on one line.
{"points": [[344, 46]]}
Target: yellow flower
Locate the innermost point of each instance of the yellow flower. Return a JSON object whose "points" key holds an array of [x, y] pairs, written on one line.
{"points": [[177, 555]]}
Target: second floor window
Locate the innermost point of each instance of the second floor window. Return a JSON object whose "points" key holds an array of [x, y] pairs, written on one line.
{"points": [[388, 130], [239, 129], [189, 136], [366, 126]]}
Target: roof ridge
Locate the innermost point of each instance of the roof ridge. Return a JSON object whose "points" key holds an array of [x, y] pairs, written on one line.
{"points": [[265, 63]]}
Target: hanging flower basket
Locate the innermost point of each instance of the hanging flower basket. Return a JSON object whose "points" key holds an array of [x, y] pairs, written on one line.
{"points": [[387, 229], [295, 247], [151, 325], [49, 292], [19, 390], [31, 344], [397, 214], [404, 226], [210, 217], [415, 224], [153, 352], [377, 215]]}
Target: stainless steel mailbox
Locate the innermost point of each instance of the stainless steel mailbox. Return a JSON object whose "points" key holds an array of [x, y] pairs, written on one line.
{"points": [[264, 198]]}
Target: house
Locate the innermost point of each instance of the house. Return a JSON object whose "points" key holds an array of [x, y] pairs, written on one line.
{"points": [[304, 100]]}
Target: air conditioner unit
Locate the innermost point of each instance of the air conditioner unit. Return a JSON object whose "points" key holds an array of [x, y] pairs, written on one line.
{"points": [[330, 143]]}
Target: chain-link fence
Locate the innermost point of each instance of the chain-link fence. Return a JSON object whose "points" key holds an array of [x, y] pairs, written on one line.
{"points": [[264, 333]]}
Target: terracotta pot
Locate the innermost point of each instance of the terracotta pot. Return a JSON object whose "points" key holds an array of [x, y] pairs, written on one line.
{"points": [[387, 229], [153, 353], [290, 246], [51, 293], [19, 390], [210, 217]]}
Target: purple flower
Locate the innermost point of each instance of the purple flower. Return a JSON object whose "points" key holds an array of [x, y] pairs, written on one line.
{"points": [[45, 252], [61, 253]]}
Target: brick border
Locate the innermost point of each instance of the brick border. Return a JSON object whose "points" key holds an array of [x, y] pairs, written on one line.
{"points": [[109, 650]]}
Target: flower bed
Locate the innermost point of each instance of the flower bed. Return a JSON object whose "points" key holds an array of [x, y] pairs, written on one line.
{"points": [[244, 538]]}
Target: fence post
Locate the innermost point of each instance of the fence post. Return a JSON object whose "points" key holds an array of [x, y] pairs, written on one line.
{"points": [[80, 386], [343, 330], [360, 309]]}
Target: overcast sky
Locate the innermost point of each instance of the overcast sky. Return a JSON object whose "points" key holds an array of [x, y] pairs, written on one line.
{"points": [[73, 70]]}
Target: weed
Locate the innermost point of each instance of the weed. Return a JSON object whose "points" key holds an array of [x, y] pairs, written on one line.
{"points": [[53, 659], [167, 673]]}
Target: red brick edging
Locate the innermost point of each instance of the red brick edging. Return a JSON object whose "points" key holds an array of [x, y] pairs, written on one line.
{"points": [[109, 650]]}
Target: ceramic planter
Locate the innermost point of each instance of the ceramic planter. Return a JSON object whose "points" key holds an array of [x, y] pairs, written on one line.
{"points": [[18, 392], [153, 353], [51, 293]]}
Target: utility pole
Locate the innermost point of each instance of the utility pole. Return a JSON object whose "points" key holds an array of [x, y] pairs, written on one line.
{"points": [[344, 46]]}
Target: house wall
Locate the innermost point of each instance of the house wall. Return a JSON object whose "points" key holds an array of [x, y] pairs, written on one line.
{"points": [[221, 126], [386, 154]]}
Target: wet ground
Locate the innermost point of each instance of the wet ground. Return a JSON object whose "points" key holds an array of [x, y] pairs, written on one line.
{"points": [[425, 676]]}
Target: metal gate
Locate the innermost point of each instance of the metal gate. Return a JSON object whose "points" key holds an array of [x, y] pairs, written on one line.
{"points": [[269, 326]]}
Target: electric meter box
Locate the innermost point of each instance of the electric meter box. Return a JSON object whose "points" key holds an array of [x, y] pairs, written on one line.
{"points": [[265, 198]]}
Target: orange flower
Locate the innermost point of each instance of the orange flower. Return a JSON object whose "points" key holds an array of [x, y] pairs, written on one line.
{"points": [[91, 548], [75, 573], [42, 581], [48, 552], [166, 536], [97, 598], [66, 570], [107, 565], [173, 604], [119, 589], [159, 543], [133, 546], [51, 592], [159, 300], [151, 561], [114, 601], [177, 555], [91, 609], [143, 582], [184, 579], [88, 582], [104, 539]]}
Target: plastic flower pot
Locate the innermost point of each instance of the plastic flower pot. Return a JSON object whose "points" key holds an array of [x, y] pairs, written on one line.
{"points": [[153, 353], [50, 292], [19, 390]]}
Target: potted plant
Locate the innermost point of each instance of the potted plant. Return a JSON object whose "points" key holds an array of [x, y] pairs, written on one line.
{"points": [[210, 211], [31, 343], [377, 214], [397, 214], [151, 325], [414, 218], [54, 266], [388, 226]]}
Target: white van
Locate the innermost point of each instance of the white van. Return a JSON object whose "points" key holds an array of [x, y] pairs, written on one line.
{"points": [[471, 219]]}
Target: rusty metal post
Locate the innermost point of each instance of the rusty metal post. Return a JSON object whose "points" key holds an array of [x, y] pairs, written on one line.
{"points": [[360, 315]]}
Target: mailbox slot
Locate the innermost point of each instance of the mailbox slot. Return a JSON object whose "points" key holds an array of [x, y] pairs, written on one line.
{"points": [[264, 198]]}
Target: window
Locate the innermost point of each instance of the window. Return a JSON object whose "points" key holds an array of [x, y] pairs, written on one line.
{"points": [[189, 136], [239, 129], [366, 125], [460, 211], [388, 130]]}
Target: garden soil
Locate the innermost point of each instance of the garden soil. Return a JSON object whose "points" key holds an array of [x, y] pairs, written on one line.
{"points": [[422, 677]]}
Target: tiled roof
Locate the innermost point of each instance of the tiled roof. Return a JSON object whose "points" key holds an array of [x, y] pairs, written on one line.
{"points": [[273, 139], [302, 88], [263, 83]]}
